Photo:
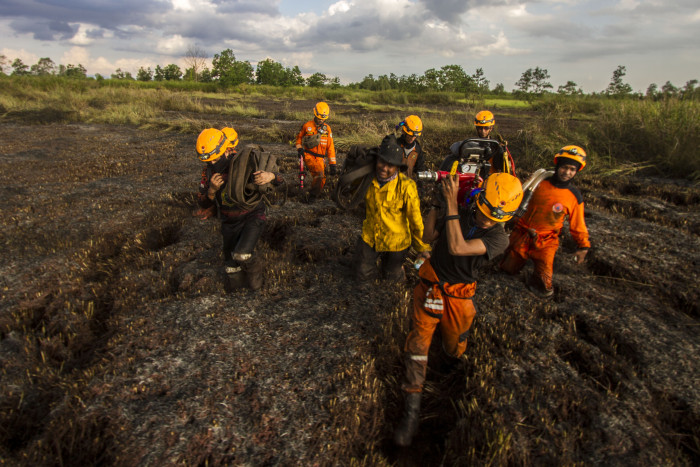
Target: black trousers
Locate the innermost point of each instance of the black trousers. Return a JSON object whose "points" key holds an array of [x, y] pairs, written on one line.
{"points": [[241, 233], [365, 263]]}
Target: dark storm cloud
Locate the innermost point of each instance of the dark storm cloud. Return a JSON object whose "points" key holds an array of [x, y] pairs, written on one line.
{"points": [[44, 29], [199, 26], [108, 14]]}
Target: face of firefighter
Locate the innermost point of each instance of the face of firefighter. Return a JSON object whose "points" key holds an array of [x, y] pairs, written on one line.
{"points": [[484, 131], [318, 121], [409, 138], [385, 170], [566, 172], [482, 221]]}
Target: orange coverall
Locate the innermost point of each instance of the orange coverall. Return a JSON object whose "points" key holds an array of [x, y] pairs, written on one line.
{"points": [[545, 214], [451, 307], [313, 157]]}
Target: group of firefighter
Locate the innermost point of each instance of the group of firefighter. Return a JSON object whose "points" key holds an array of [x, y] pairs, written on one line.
{"points": [[459, 234]]}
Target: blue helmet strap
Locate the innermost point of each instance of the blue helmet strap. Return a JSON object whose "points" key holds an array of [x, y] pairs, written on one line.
{"points": [[472, 195]]}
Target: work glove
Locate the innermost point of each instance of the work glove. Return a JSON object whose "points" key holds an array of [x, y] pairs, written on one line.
{"points": [[332, 170], [300, 152]]}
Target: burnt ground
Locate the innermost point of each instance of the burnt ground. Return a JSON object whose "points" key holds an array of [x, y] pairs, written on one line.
{"points": [[123, 343]]}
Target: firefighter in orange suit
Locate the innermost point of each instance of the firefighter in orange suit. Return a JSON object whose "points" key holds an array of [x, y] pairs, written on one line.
{"points": [[536, 235], [314, 143], [467, 237]]}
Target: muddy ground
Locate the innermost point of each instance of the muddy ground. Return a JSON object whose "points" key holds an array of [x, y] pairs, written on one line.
{"points": [[123, 343]]}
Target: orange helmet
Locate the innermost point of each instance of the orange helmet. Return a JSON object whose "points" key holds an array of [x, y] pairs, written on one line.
{"points": [[412, 125], [501, 197], [212, 143], [484, 118], [322, 111], [575, 153]]}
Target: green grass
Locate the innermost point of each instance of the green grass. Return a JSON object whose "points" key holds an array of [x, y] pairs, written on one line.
{"points": [[658, 137]]}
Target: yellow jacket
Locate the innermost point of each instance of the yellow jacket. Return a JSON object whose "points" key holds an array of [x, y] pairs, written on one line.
{"points": [[393, 221]]}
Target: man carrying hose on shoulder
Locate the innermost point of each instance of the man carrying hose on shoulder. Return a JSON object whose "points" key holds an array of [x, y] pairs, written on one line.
{"points": [[241, 227]]}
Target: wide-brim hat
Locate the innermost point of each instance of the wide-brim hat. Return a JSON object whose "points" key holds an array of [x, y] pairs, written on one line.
{"points": [[391, 151]]}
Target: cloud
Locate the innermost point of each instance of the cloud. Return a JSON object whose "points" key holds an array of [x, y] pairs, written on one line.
{"points": [[357, 37], [243, 7], [44, 30], [28, 58]]}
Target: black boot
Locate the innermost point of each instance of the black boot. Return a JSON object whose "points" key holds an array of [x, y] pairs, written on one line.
{"points": [[408, 426], [254, 273]]}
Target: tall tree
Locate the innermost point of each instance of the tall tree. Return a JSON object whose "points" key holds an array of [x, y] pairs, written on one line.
{"points": [[195, 59], [230, 72], [72, 71], [119, 74], [689, 90], [454, 78], [525, 82], [19, 68], [481, 84], [205, 76], [617, 87], [3, 64], [534, 81], [144, 74], [317, 80], [45, 66], [293, 76], [158, 74], [569, 89], [669, 90], [172, 72], [269, 72], [652, 91], [539, 81]]}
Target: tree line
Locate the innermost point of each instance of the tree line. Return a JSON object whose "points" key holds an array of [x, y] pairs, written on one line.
{"points": [[226, 70]]}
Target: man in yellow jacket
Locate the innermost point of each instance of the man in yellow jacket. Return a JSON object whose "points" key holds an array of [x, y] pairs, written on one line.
{"points": [[393, 221], [314, 143]]}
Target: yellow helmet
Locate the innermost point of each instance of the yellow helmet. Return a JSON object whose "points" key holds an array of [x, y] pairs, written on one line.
{"points": [[322, 111], [575, 153], [212, 143], [231, 136], [412, 125], [501, 197], [484, 118]]}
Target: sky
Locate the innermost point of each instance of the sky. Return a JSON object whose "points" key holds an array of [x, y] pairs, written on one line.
{"points": [[574, 40]]}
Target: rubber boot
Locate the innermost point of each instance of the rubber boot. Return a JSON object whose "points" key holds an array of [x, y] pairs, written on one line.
{"points": [[408, 426], [254, 273]]}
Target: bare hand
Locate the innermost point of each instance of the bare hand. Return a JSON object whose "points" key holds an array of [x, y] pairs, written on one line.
{"points": [[450, 189], [216, 182], [262, 177], [580, 255]]}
